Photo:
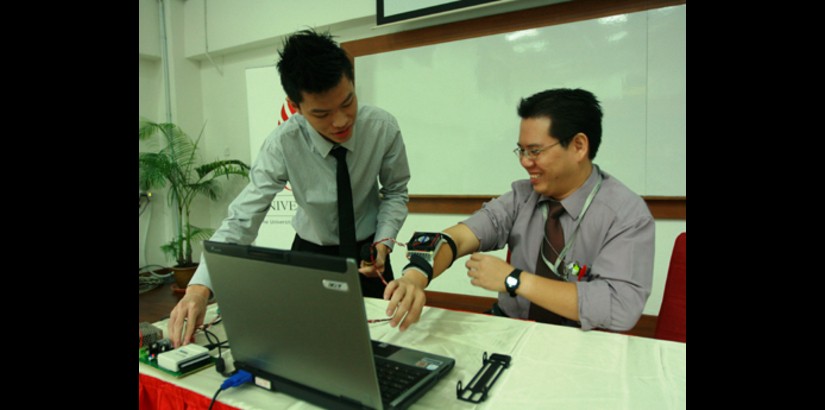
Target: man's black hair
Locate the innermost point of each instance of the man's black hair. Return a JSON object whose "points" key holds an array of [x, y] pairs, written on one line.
{"points": [[571, 111], [311, 62]]}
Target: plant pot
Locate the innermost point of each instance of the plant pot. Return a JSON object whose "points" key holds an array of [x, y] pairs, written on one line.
{"points": [[183, 275]]}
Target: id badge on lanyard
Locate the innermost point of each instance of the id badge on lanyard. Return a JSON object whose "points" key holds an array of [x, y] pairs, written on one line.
{"points": [[554, 267]]}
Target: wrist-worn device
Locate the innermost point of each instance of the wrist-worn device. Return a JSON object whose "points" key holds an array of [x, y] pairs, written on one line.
{"points": [[512, 282], [422, 248], [424, 244]]}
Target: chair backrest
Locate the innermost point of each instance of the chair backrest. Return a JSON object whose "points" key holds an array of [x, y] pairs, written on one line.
{"points": [[671, 322]]}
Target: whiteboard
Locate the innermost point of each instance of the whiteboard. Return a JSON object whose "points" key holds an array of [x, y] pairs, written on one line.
{"points": [[456, 102]]}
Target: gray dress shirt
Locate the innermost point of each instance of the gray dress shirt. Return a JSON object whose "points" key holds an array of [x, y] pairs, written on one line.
{"points": [[615, 240], [294, 152]]}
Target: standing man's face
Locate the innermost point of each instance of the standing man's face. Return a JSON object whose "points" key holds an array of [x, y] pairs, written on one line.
{"points": [[331, 113]]}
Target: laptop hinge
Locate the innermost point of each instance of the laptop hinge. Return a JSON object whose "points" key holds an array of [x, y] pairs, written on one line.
{"points": [[354, 403]]}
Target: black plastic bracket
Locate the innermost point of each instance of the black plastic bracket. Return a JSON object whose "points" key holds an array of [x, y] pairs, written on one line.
{"points": [[479, 387]]}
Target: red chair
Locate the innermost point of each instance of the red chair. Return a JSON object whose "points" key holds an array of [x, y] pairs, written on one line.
{"points": [[671, 322]]}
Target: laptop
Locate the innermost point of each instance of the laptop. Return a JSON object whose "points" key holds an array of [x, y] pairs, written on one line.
{"points": [[296, 321]]}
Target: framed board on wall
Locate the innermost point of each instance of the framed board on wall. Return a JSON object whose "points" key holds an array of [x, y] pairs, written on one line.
{"points": [[456, 101], [392, 11]]}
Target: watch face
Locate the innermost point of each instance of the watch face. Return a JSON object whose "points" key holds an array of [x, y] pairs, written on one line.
{"points": [[511, 281]]}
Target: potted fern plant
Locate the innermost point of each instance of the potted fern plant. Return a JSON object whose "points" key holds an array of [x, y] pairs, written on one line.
{"points": [[177, 165]]}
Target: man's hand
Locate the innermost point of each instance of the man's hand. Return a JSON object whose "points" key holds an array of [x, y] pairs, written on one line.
{"points": [[488, 271], [372, 271], [407, 298], [189, 313]]}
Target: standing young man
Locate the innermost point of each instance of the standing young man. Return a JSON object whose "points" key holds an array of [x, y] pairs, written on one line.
{"points": [[581, 242], [332, 136]]}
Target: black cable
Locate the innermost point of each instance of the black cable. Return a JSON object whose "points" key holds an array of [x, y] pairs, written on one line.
{"points": [[214, 343], [215, 397], [220, 365]]}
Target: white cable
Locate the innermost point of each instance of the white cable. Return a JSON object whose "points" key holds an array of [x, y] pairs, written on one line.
{"points": [[206, 40], [165, 58], [148, 212]]}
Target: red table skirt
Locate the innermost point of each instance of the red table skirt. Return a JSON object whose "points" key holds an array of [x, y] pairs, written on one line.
{"points": [[156, 394]]}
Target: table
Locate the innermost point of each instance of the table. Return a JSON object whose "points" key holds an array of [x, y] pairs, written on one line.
{"points": [[552, 366]]}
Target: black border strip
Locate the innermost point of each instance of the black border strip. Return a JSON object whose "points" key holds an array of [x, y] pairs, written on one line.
{"points": [[380, 18]]}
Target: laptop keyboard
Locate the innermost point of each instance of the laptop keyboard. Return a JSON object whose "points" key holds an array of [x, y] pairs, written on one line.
{"points": [[395, 378]]}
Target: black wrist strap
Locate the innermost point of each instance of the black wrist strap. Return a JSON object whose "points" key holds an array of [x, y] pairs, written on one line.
{"points": [[516, 273], [421, 263]]}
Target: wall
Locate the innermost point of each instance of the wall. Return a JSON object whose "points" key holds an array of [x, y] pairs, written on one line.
{"points": [[239, 25], [151, 105], [243, 24], [149, 28], [183, 104], [667, 93]]}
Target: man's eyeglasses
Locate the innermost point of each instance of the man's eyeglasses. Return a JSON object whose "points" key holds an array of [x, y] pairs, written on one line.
{"points": [[532, 153]]}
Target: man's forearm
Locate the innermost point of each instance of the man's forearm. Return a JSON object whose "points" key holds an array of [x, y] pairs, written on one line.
{"points": [[465, 242]]}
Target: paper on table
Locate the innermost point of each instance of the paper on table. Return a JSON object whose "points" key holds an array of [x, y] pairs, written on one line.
{"points": [[441, 331], [571, 368]]}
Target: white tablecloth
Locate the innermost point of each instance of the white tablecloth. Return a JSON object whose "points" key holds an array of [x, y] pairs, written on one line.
{"points": [[552, 366]]}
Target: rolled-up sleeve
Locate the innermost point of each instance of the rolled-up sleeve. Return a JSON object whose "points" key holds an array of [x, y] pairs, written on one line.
{"points": [[624, 264], [492, 223]]}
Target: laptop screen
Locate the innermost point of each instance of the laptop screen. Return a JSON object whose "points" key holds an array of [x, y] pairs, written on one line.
{"points": [[295, 315], [297, 321]]}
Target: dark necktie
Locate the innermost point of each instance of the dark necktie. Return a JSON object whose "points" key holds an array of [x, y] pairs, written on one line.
{"points": [[346, 215], [553, 235]]}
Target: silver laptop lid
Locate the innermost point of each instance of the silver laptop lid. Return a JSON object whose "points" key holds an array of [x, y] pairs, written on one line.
{"points": [[296, 315]]}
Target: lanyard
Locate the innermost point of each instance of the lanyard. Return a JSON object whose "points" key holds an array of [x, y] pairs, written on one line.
{"points": [[554, 267]]}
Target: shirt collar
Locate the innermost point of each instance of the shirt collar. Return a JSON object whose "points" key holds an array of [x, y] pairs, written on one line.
{"points": [[324, 146], [574, 203]]}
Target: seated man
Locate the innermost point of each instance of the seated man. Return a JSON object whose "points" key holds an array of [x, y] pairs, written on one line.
{"points": [[581, 242]]}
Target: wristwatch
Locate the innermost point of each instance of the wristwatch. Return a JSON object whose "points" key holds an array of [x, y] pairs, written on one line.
{"points": [[512, 282]]}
